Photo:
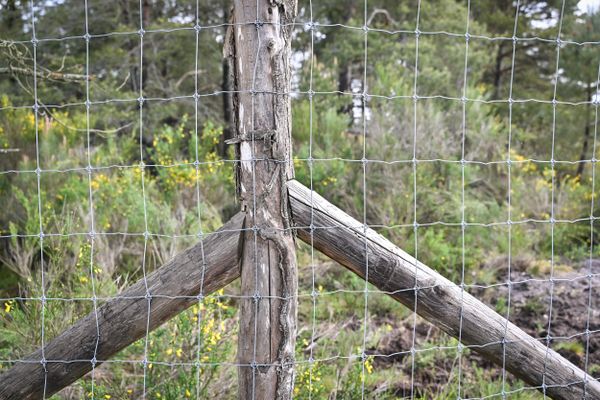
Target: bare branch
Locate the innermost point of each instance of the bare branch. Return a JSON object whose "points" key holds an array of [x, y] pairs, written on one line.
{"points": [[48, 75]]}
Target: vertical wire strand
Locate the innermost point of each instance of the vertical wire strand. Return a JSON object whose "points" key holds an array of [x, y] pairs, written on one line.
{"points": [[508, 194], [463, 223], [38, 172], [255, 228], [415, 223], [197, 29], [553, 198], [591, 258], [141, 100], [312, 211], [363, 356], [90, 168]]}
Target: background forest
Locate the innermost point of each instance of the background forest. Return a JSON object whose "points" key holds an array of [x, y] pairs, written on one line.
{"points": [[525, 102]]}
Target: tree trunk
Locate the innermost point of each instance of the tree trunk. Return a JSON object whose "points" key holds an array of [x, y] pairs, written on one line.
{"points": [[12, 17], [586, 133], [498, 72], [260, 48]]}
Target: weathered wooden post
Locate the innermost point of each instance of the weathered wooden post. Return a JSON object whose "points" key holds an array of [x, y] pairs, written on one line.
{"points": [[258, 46]]}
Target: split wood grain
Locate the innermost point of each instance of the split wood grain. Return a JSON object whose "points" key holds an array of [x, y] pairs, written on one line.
{"points": [[258, 46]]}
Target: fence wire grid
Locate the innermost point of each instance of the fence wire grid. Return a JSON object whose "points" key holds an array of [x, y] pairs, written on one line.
{"points": [[103, 179]]}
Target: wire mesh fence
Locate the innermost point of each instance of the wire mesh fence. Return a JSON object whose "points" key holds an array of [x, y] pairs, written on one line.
{"points": [[464, 132]]}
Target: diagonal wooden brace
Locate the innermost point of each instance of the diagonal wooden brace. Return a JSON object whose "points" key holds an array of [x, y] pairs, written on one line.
{"points": [[123, 319], [439, 301]]}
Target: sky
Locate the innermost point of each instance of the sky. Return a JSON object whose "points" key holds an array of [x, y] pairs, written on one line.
{"points": [[585, 5]]}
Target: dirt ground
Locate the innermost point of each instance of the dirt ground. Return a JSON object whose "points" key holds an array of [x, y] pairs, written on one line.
{"points": [[572, 307]]}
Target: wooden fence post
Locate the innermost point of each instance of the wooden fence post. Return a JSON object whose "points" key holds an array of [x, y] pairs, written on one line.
{"points": [[258, 45]]}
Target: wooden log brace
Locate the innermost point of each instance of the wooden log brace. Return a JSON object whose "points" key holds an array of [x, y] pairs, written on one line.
{"points": [[122, 320], [439, 301]]}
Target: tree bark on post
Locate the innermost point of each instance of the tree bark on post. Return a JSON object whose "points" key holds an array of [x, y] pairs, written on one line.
{"points": [[258, 44]]}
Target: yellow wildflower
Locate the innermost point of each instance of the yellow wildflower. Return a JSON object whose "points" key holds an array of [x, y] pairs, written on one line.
{"points": [[368, 366]]}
